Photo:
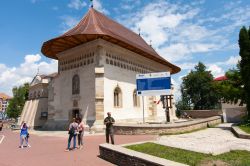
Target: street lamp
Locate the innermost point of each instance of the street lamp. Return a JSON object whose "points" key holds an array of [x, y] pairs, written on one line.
{"points": [[167, 104]]}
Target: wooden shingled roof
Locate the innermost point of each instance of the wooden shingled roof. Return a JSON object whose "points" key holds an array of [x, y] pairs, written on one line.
{"points": [[95, 25]]}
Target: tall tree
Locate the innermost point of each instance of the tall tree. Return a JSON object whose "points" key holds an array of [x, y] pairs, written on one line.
{"points": [[244, 44], [231, 90], [198, 89], [20, 95]]}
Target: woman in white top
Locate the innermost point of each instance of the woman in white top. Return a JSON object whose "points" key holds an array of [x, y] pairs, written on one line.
{"points": [[80, 133]]}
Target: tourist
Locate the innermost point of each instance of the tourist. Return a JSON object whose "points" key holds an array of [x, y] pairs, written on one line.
{"points": [[80, 133], [72, 134], [109, 121], [1, 125], [24, 135]]}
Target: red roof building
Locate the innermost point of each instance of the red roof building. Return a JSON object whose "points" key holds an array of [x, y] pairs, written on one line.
{"points": [[221, 78], [4, 99]]}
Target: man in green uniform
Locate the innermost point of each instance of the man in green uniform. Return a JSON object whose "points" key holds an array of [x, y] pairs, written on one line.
{"points": [[109, 121]]}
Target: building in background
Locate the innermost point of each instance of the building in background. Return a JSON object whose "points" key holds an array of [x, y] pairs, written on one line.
{"points": [[35, 110], [4, 101]]}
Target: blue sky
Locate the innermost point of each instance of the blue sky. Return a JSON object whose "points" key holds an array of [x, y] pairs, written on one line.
{"points": [[182, 31]]}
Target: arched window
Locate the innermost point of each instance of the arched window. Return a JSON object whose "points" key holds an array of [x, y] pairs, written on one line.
{"points": [[117, 97], [75, 85], [34, 95], [30, 96], [136, 99]]}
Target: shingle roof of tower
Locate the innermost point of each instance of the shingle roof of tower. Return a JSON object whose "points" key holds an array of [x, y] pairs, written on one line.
{"points": [[95, 25]]}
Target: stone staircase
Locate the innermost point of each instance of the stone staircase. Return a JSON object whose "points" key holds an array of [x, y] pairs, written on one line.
{"points": [[29, 112]]}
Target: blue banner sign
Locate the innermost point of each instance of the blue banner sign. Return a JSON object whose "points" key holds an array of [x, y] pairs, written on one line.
{"points": [[153, 84]]}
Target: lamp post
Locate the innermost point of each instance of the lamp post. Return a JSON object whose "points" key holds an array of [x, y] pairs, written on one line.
{"points": [[167, 104]]}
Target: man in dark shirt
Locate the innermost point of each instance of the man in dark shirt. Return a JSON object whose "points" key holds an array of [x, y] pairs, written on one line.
{"points": [[109, 121]]}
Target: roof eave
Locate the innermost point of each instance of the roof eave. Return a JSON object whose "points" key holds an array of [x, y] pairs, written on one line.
{"points": [[64, 40]]}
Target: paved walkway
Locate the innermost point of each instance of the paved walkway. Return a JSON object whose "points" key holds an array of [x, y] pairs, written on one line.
{"points": [[212, 140], [49, 150], [1, 138]]}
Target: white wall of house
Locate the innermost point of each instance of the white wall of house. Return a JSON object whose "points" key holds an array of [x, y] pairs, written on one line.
{"points": [[98, 79], [125, 79]]}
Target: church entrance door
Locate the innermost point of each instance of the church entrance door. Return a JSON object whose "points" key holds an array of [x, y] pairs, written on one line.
{"points": [[75, 113]]}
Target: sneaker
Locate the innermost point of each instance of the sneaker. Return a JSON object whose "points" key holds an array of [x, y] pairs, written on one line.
{"points": [[66, 150], [28, 146], [21, 147]]}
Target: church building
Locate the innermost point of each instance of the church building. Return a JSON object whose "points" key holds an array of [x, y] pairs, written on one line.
{"points": [[98, 61]]}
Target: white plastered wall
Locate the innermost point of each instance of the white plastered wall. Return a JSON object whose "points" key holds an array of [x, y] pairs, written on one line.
{"points": [[126, 80]]}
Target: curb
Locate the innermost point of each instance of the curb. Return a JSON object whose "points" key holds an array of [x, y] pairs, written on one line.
{"points": [[122, 156], [239, 133]]}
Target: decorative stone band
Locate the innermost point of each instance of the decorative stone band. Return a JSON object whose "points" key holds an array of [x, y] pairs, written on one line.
{"points": [[171, 128]]}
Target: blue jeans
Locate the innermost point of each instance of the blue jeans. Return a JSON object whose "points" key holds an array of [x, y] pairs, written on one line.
{"points": [[74, 140]]}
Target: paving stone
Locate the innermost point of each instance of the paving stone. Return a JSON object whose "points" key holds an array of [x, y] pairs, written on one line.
{"points": [[211, 141]]}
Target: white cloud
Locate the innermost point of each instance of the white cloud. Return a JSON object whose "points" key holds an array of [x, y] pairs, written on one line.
{"points": [[127, 7], [77, 4], [32, 58], [15, 76], [216, 70], [233, 60], [175, 52], [179, 32], [173, 32], [98, 6], [187, 66], [68, 23], [176, 91]]}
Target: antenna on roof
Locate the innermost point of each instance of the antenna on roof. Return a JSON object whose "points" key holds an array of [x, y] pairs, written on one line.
{"points": [[150, 43], [139, 29], [92, 3]]}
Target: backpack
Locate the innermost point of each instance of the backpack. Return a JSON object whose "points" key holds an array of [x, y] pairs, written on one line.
{"points": [[72, 131]]}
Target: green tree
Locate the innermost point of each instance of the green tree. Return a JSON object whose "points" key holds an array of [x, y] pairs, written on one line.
{"points": [[20, 95], [184, 103], [231, 90], [198, 90], [244, 44]]}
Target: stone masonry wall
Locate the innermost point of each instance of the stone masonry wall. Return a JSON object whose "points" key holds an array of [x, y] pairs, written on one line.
{"points": [[203, 113], [166, 128], [123, 159]]}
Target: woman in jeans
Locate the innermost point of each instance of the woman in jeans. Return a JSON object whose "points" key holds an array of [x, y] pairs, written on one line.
{"points": [[72, 134]]}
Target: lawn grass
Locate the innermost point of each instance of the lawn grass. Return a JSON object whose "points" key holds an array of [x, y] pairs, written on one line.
{"points": [[237, 158], [245, 125], [245, 128]]}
